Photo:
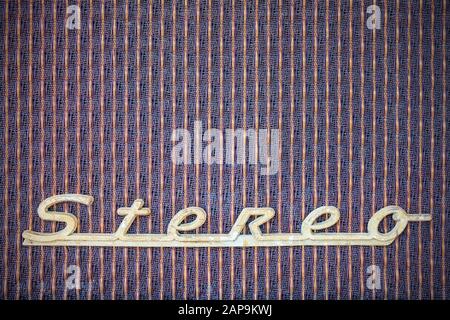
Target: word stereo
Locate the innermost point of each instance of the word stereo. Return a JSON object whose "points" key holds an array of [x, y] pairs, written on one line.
{"points": [[319, 219]]}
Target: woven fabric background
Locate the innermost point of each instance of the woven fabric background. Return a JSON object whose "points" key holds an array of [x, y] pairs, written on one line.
{"points": [[362, 113]]}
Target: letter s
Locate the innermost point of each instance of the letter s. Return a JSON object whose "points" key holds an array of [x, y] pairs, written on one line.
{"points": [[69, 219]]}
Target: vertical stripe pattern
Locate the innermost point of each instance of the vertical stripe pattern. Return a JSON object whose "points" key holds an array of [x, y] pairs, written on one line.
{"points": [[357, 89]]}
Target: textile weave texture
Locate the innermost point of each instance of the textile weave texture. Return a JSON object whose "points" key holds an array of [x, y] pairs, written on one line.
{"points": [[362, 115]]}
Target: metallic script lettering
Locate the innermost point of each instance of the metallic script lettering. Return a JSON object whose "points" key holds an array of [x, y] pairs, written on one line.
{"points": [[318, 220]]}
